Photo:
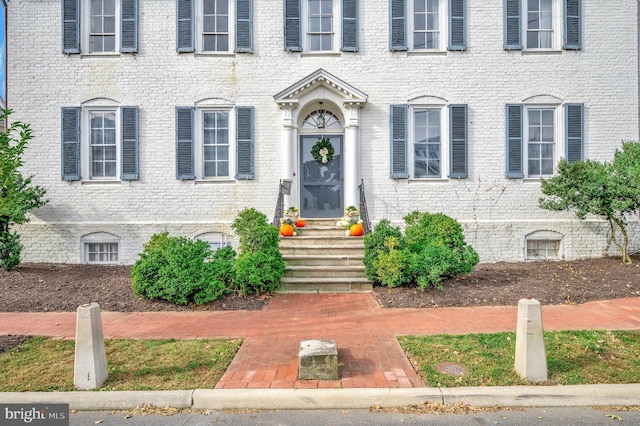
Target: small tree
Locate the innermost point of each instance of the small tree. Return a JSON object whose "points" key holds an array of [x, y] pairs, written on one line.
{"points": [[610, 190], [17, 195]]}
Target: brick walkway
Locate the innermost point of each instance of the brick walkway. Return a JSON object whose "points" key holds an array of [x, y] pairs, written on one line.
{"points": [[368, 352]]}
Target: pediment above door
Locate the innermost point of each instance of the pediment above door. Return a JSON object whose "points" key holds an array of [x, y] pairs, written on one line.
{"points": [[321, 79]]}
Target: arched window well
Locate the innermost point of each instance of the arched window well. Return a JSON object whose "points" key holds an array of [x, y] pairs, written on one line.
{"points": [[544, 245], [100, 247], [321, 119]]}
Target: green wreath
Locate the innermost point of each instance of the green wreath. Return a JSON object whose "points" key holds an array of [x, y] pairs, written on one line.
{"points": [[320, 155]]}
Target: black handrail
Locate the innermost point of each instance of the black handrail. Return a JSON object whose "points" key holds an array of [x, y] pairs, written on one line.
{"points": [[364, 213], [285, 188]]}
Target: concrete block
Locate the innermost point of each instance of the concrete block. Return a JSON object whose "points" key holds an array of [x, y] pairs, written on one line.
{"points": [[90, 369], [531, 355], [318, 360]]}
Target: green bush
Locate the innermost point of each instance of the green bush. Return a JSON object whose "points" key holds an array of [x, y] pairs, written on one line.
{"points": [[374, 246], [431, 249], [260, 265], [10, 249], [180, 270]]}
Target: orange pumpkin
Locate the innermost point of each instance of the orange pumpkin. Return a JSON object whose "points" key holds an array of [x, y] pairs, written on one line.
{"points": [[356, 230], [286, 230], [300, 223]]}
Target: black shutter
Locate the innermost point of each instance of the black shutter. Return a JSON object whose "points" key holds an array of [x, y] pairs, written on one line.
{"points": [[515, 160], [292, 26], [398, 25], [70, 26], [184, 26], [184, 143], [399, 164], [572, 24], [350, 25], [244, 143], [574, 133], [244, 26], [71, 143], [512, 25], [457, 25], [459, 141], [129, 117], [129, 26]]}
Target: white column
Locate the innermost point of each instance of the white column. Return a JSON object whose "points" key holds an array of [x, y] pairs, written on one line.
{"points": [[289, 152], [351, 152]]}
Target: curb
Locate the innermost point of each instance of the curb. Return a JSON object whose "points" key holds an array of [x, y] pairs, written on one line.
{"points": [[309, 399]]}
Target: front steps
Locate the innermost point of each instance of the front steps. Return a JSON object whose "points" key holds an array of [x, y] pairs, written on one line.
{"points": [[323, 259]]}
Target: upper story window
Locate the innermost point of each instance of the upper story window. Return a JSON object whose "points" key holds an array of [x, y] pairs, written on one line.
{"points": [[321, 25], [428, 25], [208, 140], [539, 135], [214, 26], [542, 24], [429, 141], [99, 26], [100, 142]]}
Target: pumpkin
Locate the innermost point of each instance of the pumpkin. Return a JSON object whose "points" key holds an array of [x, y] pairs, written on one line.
{"points": [[286, 230], [300, 223], [356, 230]]}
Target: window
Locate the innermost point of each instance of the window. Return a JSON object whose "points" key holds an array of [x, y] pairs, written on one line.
{"points": [[204, 148], [540, 141], [103, 140], [321, 25], [99, 26], [543, 245], [429, 142], [100, 247], [543, 249], [214, 26], [423, 25], [216, 240], [540, 127], [542, 24]]}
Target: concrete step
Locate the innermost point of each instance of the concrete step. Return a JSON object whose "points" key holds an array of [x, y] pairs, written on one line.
{"points": [[320, 251], [321, 240], [306, 271], [324, 260], [326, 285]]}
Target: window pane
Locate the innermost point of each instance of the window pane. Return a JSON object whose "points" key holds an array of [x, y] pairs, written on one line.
{"points": [[547, 167], [109, 7], [419, 41], [432, 6], [209, 43], [110, 153], [314, 25], [222, 24], [222, 7], [420, 169], [314, 42], [222, 136], [532, 5], [209, 7], [209, 24], [110, 169], [326, 42], [419, 22], [420, 151], [534, 168], [434, 168], [534, 150], [533, 21], [327, 7], [419, 6], [96, 169], [546, 150], [434, 151], [109, 44], [209, 169], [547, 117], [534, 134], [109, 24], [223, 43], [223, 119], [223, 152], [325, 25], [96, 24], [547, 134], [223, 168]]}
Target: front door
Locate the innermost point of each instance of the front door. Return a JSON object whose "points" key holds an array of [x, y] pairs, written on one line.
{"points": [[321, 183]]}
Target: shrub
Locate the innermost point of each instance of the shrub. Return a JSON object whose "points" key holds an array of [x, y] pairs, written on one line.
{"points": [[374, 246], [260, 265], [394, 267], [431, 249], [10, 249], [180, 270]]}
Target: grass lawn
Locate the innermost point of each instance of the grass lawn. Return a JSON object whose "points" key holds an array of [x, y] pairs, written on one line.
{"points": [[573, 357], [47, 365]]}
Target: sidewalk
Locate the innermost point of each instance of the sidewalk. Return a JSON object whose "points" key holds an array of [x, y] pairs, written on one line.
{"points": [[364, 333]]}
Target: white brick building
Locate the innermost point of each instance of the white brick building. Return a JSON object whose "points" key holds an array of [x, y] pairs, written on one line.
{"points": [[153, 115]]}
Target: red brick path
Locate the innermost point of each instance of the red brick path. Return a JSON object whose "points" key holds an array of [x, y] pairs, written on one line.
{"points": [[369, 355]]}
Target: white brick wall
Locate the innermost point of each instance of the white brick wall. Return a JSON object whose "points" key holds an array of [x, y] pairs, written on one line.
{"points": [[497, 213]]}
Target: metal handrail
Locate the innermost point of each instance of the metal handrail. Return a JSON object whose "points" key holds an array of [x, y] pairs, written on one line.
{"points": [[364, 213], [284, 189]]}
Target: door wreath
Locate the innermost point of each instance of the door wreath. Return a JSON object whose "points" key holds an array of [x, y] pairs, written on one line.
{"points": [[322, 151]]}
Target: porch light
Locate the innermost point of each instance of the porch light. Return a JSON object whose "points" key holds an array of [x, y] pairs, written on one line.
{"points": [[321, 122]]}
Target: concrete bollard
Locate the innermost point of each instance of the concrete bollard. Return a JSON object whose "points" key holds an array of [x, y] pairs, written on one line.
{"points": [[318, 360], [531, 355], [91, 358]]}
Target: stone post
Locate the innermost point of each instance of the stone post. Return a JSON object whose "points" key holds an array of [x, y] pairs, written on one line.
{"points": [[91, 358], [531, 355]]}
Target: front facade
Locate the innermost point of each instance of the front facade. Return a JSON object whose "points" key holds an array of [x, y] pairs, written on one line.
{"points": [[174, 115]]}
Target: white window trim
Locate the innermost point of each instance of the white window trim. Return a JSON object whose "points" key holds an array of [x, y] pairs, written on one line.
{"points": [[558, 134], [199, 147], [443, 31], [85, 143], [336, 25], [199, 18], [444, 142], [85, 7], [210, 238], [544, 236], [99, 238], [556, 25]]}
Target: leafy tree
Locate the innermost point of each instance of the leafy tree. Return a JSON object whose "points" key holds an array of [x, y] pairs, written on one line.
{"points": [[609, 189], [17, 194]]}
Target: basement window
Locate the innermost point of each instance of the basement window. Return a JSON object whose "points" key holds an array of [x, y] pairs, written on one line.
{"points": [[544, 245]]}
